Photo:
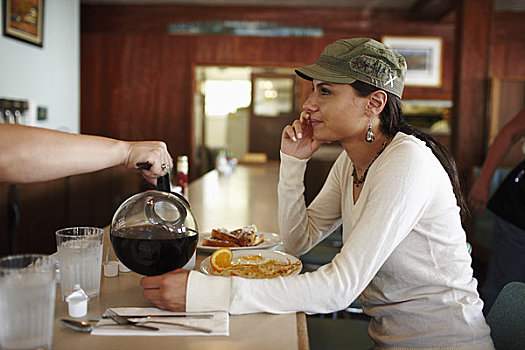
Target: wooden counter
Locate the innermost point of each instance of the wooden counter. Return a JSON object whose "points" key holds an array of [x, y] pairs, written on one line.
{"points": [[248, 196]]}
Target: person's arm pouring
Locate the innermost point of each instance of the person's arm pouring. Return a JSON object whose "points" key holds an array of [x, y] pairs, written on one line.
{"points": [[30, 154]]}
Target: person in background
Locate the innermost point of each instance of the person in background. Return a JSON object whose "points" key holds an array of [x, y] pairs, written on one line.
{"points": [[442, 126], [395, 191], [507, 255], [30, 154]]}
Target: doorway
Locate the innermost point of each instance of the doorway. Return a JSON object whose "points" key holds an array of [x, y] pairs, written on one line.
{"points": [[242, 109]]}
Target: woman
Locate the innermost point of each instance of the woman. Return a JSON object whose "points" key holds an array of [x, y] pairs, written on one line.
{"points": [[404, 248]]}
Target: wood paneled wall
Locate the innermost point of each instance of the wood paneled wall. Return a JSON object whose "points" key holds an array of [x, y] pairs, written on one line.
{"points": [[474, 20], [136, 80], [507, 74], [489, 46], [80, 200], [507, 46]]}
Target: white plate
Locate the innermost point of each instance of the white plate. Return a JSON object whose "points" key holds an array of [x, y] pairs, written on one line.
{"points": [[206, 268], [270, 240]]}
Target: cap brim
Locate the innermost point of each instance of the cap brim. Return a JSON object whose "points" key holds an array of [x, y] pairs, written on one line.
{"points": [[317, 72]]}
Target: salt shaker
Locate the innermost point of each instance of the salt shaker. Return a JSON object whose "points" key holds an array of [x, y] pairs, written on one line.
{"points": [[77, 302]]}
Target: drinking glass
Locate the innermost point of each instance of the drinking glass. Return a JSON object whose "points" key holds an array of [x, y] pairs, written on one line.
{"points": [[27, 301], [80, 259]]}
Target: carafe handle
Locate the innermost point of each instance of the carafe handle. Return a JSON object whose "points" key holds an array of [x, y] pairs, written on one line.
{"points": [[163, 183]]}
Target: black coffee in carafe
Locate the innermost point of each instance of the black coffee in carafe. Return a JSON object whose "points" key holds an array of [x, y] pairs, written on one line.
{"points": [[152, 250], [155, 232]]}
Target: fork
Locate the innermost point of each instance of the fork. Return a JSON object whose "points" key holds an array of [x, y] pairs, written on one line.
{"points": [[125, 320]]}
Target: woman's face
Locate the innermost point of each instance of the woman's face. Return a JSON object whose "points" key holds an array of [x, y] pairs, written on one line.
{"points": [[337, 112]]}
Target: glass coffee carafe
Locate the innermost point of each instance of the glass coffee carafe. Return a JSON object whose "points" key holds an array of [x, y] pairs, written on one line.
{"points": [[154, 232]]}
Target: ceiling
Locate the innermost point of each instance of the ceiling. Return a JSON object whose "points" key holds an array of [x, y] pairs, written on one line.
{"points": [[374, 5]]}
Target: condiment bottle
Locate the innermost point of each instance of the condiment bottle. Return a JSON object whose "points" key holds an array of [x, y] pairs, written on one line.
{"points": [[182, 173], [77, 302]]}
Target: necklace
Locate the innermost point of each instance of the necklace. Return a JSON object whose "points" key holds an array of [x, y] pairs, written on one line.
{"points": [[358, 181]]}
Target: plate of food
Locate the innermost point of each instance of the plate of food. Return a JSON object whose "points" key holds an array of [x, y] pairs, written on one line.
{"points": [[261, 263], [239, 239]]}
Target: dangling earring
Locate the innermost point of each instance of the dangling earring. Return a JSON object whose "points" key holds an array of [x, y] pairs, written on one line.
{"points": [[370, 137]]}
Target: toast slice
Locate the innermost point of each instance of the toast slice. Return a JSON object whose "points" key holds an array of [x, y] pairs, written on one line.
{"points": [[214, 242], [243, 237], [224, 235]]}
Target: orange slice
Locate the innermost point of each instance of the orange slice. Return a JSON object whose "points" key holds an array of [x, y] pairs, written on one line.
{"points": [[221, 259]]}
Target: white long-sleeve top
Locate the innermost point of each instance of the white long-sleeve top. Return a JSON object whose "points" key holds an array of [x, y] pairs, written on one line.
{"points": [[404, 251]]}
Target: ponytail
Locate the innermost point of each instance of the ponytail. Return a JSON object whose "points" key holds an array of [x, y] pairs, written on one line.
{"points": [[392, 121]]}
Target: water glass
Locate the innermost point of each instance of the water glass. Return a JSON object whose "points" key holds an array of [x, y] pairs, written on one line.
{"points": [[27, 301], [80, 259]]}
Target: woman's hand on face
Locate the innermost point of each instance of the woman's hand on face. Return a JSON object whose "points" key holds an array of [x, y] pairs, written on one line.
{"points": [[167, 291], [298, 139], [153, 153]]}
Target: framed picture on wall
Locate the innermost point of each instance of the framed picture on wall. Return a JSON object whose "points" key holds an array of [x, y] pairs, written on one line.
{"points": [[423, 56], [24, 20], [272, 95]]}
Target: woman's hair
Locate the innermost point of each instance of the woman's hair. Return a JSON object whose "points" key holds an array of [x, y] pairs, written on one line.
{"points": [[392, 121]]}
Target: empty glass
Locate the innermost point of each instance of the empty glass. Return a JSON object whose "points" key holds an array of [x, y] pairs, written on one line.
{"points": [[80, 259], [27, 301]]}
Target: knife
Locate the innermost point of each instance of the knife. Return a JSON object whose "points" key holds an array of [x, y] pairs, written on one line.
{"points": [[206, 316]]}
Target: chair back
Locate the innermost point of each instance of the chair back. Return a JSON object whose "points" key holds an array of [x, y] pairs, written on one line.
{"points": [[506, 318]]}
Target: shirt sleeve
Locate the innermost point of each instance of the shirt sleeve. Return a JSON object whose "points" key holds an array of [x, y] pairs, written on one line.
{"points": [[302, 228]]}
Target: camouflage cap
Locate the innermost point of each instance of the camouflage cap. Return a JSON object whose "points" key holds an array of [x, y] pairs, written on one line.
{"points": [[367, 60]]}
